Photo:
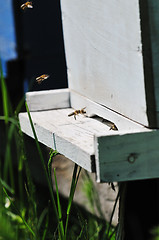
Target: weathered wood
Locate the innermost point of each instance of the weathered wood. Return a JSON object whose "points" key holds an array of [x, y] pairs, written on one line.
{"points": [[73, 138], [104, 54], [50, 99], [127, 156]]}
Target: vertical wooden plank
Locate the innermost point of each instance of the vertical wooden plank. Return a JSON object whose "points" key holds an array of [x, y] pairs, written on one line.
{"points": [[104, 54]]}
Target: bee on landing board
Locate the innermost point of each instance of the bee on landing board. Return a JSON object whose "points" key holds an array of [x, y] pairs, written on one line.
{"points": [[42, 78], [76, 112], [26, 5]]}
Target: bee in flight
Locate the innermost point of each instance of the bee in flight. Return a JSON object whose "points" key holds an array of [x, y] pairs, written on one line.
{"points": [[42, 78], [26, 5], [76, 112]]}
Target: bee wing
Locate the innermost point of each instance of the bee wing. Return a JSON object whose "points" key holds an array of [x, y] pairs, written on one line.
{"points": [[45, 76], [23, 6], [82, 111], [29, 6]]}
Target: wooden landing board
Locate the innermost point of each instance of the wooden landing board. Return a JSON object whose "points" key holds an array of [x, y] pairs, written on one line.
{"points": [[73, 138]]}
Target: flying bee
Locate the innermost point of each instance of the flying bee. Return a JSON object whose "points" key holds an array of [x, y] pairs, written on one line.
{"points": [[76, 112], [26, 5], [42, 78]]}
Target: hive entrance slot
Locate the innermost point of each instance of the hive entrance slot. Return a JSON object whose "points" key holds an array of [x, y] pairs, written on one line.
{"points": [[106, 122]]}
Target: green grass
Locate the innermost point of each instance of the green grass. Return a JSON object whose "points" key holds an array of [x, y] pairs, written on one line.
{"points": [[154, 233]]}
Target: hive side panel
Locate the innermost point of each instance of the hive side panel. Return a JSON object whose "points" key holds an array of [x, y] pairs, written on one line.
{"points": [[104, 54], [127, 157]]}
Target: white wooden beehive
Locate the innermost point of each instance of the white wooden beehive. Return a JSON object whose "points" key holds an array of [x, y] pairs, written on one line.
{"points": [[112, 60]]}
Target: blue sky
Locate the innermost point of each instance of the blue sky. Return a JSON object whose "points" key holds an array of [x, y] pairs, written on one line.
{"points": [[7, 34]]}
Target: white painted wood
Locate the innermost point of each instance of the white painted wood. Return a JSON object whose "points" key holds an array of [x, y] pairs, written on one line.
{"points": [[73, 138], [63, 98], [92, 108], [50, 99], [127, 157], [92, 145], [104, 54]]}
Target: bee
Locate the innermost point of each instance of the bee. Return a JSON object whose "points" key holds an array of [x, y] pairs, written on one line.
{"points": [[110, 124], [42, 78], [76, 112], [113, 127], [26, 5]]}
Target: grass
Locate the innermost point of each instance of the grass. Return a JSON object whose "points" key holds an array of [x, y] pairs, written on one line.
{"points": [[154, 233], [19, 214]]}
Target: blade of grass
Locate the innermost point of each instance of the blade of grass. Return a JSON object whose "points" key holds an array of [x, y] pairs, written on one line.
{"points": [[8, 165], [52, 154], [7, 110], [41, 218], [83, 223], [21, 156], [4, 95], [81, 232], [46, 227], [19, 106], [9, 119], [59, 205], [92, 194], [5, 185], [43, 164], [110, 222], [75, 178], [18, 212]]}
